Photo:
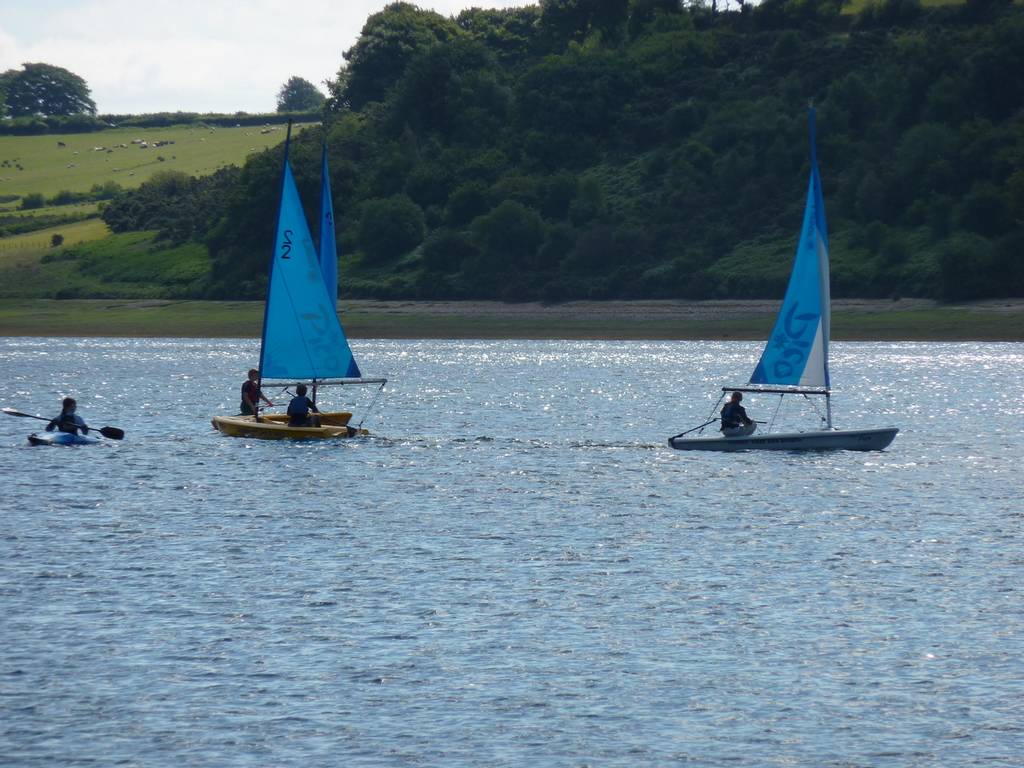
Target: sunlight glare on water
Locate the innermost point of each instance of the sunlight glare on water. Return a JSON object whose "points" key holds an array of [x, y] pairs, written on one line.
{"points": [[515, 569]]}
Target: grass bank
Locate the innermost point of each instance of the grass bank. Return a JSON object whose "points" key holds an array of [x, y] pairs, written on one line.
{"points": [[851, 320]]}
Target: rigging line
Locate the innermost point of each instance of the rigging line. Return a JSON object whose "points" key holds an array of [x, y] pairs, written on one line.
{"points": [[711, 415], [370, 408], [815, 407], [771, 424]]}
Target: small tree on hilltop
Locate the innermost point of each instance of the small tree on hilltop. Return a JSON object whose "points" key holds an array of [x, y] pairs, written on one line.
{"points": [[299, 95], [43, 89]]}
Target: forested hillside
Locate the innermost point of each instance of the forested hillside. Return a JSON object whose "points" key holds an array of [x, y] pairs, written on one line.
{"points": [[637, 149]]}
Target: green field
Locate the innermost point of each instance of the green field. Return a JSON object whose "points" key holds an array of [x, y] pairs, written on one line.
{"points": [[39, 164], [31, 245], [92, 263]]}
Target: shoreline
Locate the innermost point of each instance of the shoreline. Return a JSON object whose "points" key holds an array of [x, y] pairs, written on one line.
{"points": [[852, 319]]}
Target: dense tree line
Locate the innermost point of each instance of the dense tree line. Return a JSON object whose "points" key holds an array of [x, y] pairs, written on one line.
{"points": [[640, 148], [38, 125]]}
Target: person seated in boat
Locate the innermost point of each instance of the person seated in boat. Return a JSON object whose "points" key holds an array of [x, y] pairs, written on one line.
{"points": [[251, 394], [735, 422], [299, 410], [68, 421]]}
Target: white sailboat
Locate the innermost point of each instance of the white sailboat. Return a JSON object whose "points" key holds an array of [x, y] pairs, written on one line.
{"points": [[795, 359]]}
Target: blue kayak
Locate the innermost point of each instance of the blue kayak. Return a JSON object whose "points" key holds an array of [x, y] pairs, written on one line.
{"points": [[61, 438]]}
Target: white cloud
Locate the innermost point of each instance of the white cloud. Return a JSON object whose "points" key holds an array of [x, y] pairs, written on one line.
{"points": [[191, 55]]}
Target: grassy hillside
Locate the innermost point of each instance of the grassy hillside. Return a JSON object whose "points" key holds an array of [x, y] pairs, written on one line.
{"points": [[558, 153], [31, 246], [95, 264], [132, 265], [76, 162]]}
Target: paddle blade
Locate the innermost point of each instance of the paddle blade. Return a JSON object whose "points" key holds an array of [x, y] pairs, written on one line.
{"points": [[112, 432], [12, 412]]}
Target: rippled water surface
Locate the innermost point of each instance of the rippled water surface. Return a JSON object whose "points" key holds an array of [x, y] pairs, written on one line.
{"points": [[515, 570]]}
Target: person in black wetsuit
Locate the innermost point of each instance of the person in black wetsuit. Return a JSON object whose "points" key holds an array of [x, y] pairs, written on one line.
{"points": [[735, 421], [299, 409]]}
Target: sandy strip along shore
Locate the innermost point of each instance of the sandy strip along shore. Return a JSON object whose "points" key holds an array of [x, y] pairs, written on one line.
{"points": [[853, 319]]}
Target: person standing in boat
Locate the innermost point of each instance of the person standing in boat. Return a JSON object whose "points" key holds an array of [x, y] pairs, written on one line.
{"points": [[251, 394], [735, 422], [68, 421], [299, 409]]}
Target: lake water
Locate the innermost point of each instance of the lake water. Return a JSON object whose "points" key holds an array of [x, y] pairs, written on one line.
{"points": [[515, 570]]}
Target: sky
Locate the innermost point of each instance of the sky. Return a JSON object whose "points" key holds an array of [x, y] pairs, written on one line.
{"points": [[141, 56]]}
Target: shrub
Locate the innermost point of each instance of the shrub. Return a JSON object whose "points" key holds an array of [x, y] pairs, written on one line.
{"points": [[32, 201], [447, 251]]}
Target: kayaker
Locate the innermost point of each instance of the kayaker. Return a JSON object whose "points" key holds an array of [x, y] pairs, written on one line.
{"points": [[299, 408], [735, 421], [251, 394], [68, 421]]}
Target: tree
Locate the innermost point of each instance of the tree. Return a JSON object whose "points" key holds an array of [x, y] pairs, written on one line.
{"points": [[509, 236], [390, 227], [6, 78], [389, 40], [299, 95], [43, 89]]}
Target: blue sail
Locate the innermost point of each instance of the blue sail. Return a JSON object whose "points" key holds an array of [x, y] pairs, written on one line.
{"points": [[302, 337], [797, 351], [328, 247], [328, 253]]}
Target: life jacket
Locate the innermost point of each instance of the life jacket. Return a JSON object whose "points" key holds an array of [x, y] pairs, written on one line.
{"points": [[732, 415], [69, 422]]}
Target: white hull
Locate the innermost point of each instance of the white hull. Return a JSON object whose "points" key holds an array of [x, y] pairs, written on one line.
{"points": [[825, 440]]}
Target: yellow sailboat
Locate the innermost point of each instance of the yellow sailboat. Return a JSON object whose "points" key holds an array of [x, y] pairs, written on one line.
{"points": [[302, 340]]}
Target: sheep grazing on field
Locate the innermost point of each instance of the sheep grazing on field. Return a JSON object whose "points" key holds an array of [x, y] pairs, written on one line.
{"points": [[61, 144]]}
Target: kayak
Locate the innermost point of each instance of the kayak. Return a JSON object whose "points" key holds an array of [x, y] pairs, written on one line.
{"points": [[61, 438]]}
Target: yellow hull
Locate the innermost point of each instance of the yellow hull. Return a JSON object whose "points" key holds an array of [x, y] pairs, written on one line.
{"points": [[275, 427]]}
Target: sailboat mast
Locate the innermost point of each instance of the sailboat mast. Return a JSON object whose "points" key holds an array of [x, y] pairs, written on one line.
{"points": [[824, 278], [273, 260]]}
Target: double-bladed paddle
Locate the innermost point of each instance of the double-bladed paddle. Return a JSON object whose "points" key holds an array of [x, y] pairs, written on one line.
{"points": [[112, 432]]}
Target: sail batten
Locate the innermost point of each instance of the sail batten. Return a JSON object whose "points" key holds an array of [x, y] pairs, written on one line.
{"points": [[797, 350]]}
